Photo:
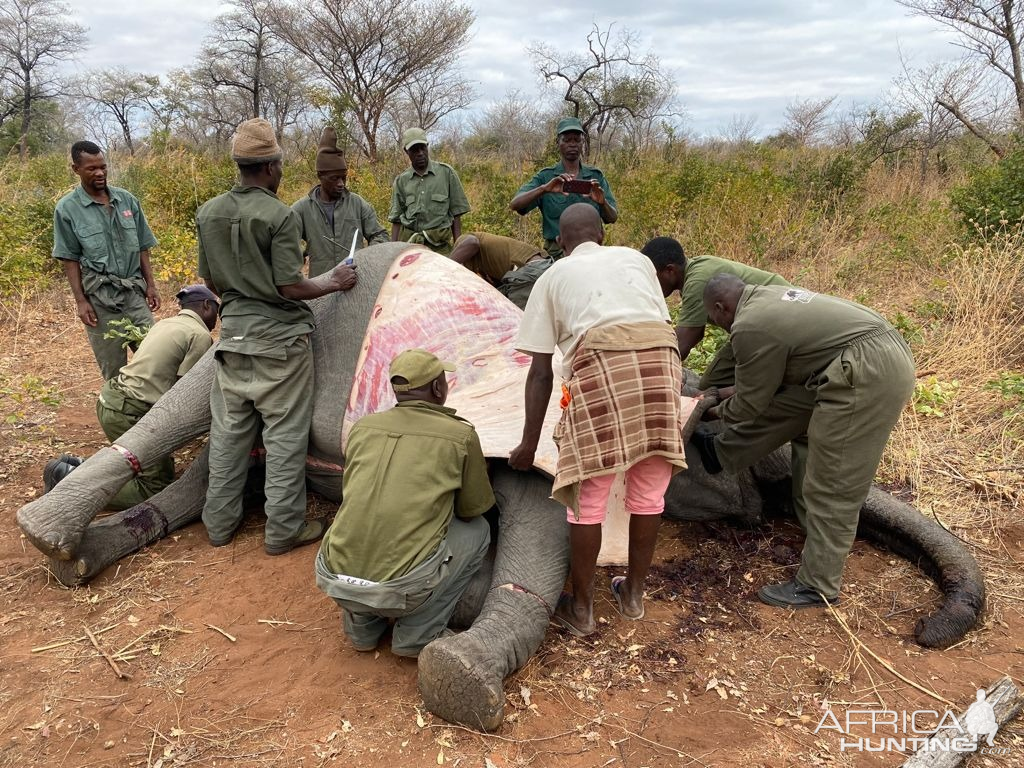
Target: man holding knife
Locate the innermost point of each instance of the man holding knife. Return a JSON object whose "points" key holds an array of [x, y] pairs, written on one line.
{"points": [[334, 219]]}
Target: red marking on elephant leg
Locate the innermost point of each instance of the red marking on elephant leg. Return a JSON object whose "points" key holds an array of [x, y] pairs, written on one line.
{"points": [[407, 260]]}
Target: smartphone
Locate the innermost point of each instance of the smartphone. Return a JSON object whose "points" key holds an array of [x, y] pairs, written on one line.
{"points": [[578, 186]]}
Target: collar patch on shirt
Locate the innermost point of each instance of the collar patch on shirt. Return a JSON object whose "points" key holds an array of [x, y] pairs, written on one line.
{"points": [[796, 294]]}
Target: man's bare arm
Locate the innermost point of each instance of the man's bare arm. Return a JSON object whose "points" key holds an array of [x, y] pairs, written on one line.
{"points": [[688, 339], [341, 278], [539, 382], [152, 296], [73, 271]]}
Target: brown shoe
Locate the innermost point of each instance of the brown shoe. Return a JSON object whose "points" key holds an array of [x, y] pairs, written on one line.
{"points": [[310, 532]]}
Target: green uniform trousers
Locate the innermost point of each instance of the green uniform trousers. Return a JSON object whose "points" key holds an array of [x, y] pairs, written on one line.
{"points": [[110, 354], [246, 389], [422, 601], [517, 284], [442, 239], [117, 414], [838, 434]]}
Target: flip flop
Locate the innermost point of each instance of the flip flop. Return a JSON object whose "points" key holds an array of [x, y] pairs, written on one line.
{"points": [[564, 623], [614, 586]]}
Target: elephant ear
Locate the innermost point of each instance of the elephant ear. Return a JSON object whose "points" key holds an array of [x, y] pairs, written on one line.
{"points": [[431, 302]]}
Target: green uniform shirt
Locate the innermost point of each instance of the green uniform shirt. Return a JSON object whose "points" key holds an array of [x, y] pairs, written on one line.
{"points": [[327, 243], [168, 352], [407, 470], [249, 244], [699, 270], [429, 201], [107, 241], [552, 205], [788, 336]]}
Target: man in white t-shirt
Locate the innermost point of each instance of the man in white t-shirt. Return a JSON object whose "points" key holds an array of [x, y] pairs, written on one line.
{"points": [[603, 309]]}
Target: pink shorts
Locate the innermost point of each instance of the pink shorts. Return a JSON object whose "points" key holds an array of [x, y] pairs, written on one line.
{"points": [[646, 482]]}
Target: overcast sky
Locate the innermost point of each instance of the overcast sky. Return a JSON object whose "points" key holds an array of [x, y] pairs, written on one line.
{"points": [[730, 58]]}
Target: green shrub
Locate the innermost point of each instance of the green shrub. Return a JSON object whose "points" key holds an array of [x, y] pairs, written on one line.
{"points": [[993, 199]]}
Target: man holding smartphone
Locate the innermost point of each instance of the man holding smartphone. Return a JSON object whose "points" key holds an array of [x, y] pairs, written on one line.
{"points": [[555, 188]]}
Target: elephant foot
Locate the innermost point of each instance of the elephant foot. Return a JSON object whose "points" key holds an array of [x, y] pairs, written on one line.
{"points": [[59, 545], [71, 573], [461, 677], [460, 682]]}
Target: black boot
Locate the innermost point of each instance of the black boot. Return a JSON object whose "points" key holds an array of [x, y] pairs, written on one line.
{"points": [[704, 442], [59, 468]]}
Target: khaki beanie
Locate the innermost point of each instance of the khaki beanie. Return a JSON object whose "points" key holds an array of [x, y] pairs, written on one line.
{"points": [[254, 142], [328, 156]]}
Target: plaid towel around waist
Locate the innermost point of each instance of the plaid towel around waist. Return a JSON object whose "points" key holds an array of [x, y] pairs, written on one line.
{"points": [[624, 405]]}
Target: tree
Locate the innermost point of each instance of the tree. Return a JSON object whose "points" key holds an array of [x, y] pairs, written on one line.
{"points": [[122, 95], [807, 119], [609, 84], [239, 51], [34, 36], [370, 51], [989, 32]]}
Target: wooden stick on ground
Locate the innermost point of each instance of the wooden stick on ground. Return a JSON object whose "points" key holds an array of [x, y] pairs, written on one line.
{"points": [[1007, 702], [218, 629], [113, 664]]}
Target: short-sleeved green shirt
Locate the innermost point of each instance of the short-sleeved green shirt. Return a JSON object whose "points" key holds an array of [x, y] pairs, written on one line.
{"points": [[430, 201], [407, 471], [103, 240], [699, 270], [168, 352], [327, 243], [249, 244], [551, 206]]}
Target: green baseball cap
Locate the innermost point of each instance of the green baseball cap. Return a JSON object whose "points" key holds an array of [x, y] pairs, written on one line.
{"points": [[413, 136], [569, 124], [417, 367]]}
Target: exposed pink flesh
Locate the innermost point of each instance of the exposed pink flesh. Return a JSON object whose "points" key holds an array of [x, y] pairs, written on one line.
{"points": [[431, 302]]}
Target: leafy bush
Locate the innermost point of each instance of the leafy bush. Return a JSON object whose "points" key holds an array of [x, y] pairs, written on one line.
{"points": [[993, 199]]}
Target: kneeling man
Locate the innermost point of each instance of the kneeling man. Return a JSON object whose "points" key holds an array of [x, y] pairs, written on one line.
{"points": [[394, 549]]}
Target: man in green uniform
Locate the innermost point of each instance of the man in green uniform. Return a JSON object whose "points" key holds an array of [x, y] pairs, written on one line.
{"points": [[546, 190], [332, 216], [168, 352], [102, 240], [250, 253], [509, 265], [689, 277], [427, 201], [827, 374], [409, 534]]}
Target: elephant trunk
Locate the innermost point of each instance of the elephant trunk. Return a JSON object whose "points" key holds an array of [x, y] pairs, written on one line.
{"points": [[108, 540], [903, 530], [461, 677]]}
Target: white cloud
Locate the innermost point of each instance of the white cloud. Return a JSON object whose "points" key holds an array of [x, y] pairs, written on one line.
{"points": [[728, 58]]}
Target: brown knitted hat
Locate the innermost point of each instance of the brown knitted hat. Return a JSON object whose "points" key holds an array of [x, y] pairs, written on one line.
{"points": [[328, 156], [254, 142]]}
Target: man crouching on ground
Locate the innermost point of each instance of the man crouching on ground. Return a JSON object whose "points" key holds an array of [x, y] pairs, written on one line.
{"points": [[603, 308], [394, 550]]}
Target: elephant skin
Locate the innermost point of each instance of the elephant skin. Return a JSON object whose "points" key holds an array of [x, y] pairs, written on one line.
{"points": [[460, 677]]}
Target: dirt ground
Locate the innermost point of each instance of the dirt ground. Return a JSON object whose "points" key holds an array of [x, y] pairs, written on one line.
{"points": [[229, 657]]}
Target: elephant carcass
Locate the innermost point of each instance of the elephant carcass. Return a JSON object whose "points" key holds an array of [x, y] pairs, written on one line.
{"points": [[410, 297]]}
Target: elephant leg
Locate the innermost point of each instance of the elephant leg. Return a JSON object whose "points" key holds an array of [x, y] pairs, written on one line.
{"points": [[56, 522], [108, 540], [461, 678], [900, 528]]}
